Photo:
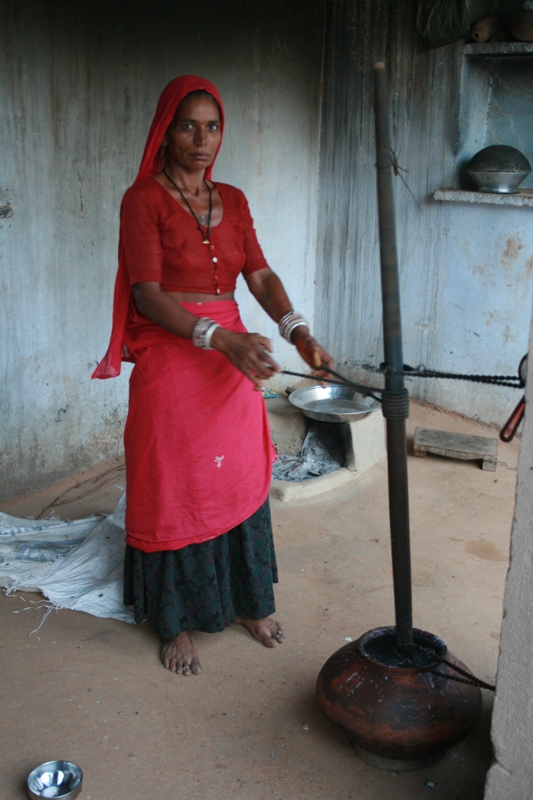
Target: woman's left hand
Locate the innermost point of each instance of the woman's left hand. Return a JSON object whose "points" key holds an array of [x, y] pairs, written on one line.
{"points": [[268, 290], [311, 351]]}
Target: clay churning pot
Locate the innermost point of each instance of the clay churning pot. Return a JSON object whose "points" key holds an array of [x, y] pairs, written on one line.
{"points": [[398, 714]]}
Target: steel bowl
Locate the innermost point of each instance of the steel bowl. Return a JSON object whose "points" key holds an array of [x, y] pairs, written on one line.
{"points": [[55, 779], [498, 168], [332, 403], [499, 182]]}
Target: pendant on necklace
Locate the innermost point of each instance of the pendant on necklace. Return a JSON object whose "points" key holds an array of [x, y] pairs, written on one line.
{"points": [[206, 241]]}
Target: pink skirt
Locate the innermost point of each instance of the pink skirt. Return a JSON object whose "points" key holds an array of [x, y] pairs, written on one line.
{"points": [[197, 442]]}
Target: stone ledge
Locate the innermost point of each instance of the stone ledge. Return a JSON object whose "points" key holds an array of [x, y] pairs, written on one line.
{"points": [[524, 197]]}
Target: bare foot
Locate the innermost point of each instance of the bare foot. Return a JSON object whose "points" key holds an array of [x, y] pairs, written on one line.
{"points": [[267, 630], [179, 655]]}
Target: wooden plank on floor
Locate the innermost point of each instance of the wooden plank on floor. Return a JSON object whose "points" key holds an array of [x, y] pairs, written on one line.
{"points": [[457, 445]]}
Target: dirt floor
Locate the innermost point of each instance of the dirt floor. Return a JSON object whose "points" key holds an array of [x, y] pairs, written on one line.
{"points": [[93, 691]]}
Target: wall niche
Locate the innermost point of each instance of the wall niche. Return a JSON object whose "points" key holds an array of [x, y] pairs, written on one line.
{"points": [[495, 107]]}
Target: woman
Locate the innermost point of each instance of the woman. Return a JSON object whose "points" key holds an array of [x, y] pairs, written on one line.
{"points": [[199, 548]]}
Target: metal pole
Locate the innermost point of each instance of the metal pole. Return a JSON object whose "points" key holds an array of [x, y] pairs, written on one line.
{"points": [[395, 396]]}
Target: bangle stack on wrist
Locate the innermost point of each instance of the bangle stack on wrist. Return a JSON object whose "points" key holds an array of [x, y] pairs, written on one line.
{"points": [[203, 333], [289, 322]]}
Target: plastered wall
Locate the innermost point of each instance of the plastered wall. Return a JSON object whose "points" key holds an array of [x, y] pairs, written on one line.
{"points": [[512, 722], [80, 82], [465, 269]]}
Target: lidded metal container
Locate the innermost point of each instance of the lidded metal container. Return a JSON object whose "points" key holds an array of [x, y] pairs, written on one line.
{"points": [[498, 168]]}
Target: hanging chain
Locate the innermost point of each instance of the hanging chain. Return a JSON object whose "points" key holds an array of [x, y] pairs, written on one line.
{"points": [[514, 381], [498, 380]]}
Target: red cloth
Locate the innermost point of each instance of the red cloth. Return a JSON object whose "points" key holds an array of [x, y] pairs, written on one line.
{"points": [[151, 164], [162, 244], [198, 449]]}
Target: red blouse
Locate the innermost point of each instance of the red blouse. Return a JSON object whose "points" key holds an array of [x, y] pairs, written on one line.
{"points": [[162, 242], [125, 332]]}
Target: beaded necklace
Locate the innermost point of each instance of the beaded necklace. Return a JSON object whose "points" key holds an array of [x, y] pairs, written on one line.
{"points": [[206, 236]]}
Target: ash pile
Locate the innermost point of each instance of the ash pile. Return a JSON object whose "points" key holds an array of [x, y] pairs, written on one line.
{"points": [[323, 451]]}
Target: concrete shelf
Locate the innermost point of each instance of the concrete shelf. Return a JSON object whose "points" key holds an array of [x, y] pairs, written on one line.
{"points": [[496, 85], [521, 198], [499, 49]]}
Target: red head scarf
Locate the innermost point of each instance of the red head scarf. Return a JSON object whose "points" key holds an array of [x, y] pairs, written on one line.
{"points": [[151, 164]]}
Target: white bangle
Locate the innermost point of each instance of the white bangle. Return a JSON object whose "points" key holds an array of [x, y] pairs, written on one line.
{"points": [[293, 326], [209, 335], [289, 322], [203, 331]]}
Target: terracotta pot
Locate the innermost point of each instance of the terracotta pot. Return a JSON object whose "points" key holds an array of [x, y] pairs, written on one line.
{"points": [[402, 714]]}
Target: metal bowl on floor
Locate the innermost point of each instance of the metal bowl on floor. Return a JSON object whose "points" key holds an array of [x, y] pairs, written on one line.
{"points": [[61, 779], [332, 403]]}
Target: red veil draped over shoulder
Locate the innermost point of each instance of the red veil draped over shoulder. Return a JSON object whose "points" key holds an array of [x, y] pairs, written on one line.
{"points": [[152, 163]]}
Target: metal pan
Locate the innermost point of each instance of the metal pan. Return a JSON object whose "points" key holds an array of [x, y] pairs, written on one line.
{"points": [[332, 403]]}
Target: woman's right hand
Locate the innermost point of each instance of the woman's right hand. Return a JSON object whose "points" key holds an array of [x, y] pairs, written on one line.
{"points": [[249, 352]]}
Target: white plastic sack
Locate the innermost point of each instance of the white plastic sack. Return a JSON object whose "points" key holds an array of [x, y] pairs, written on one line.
{"points": [[76, 564]]}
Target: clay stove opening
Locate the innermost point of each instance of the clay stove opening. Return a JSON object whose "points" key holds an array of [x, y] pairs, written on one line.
{"points": [[316, 456], [326, 447]]}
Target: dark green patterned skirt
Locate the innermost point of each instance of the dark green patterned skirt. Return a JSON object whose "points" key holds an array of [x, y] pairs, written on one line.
{"points": [[203, 587]]}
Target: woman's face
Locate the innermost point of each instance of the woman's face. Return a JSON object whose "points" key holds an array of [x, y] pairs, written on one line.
{"points": [[194, 134]]}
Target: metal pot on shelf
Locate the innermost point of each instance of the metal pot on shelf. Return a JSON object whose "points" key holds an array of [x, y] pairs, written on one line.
{"points": [[498, 168]]}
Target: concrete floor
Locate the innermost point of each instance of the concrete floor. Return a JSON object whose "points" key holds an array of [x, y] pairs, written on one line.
{"points": [[93, 691]]}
